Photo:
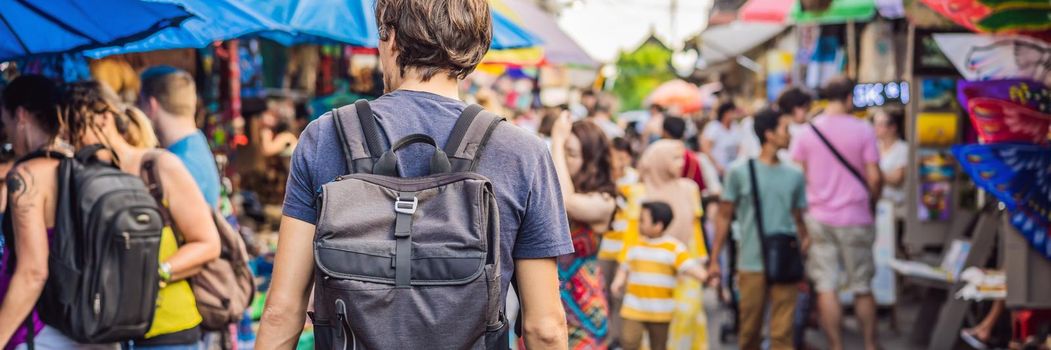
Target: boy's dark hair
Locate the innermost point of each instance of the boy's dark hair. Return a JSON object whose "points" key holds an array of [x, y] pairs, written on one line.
{"points": [[792, 98], [723, 109], [838, 89], [436, 36], [37, 95], [621, 144], [674, 127], [660, 212], [766, 120]]}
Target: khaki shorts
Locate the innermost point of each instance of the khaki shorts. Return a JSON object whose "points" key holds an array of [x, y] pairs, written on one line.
{"points": [[840, 250]]}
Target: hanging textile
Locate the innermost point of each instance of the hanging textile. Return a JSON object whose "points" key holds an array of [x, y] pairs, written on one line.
{"points": [[877, 53], [1019, 175], [827, 61], [985, 57]]}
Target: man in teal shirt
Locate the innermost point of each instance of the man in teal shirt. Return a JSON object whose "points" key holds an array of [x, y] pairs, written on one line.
{"points": [[169, 98], [782, 195]]}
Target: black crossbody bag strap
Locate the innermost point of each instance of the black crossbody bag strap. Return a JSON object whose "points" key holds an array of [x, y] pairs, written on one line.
{"points": [[835, 152], [756, 205]]}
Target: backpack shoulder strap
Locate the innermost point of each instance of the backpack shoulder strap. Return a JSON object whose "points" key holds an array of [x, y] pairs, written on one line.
{"points": [[151, 177], [359, 136], [41, 154], [469, 137]]}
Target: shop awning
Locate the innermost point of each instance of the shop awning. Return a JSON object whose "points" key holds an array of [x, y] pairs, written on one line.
{"points": [[775, 11], [557, 46], [353, 22], [725, 42], [215, 20], [841, 11], [47, 27]]}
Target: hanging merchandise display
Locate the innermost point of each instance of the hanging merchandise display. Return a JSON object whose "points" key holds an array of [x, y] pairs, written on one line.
{"points": [[1024, 92], [986, 57], [301, 73], [251, 64], [878, 60], [997, 16], [1008, 110], [935, 191], [1019, 175], [778, 72], [936, 129], [827, 62], [65, 67]]}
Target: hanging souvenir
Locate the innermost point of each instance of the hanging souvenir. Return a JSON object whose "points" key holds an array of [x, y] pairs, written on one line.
{"points": [[1025, 93], [1019, 175], [934, 129], [1001, 121], [997, 16], [988, 57]]}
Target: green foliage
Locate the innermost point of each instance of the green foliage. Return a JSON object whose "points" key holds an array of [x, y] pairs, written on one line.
{"points": [[640, 72]]}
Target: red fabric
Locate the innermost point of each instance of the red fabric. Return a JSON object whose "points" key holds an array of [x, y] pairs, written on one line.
{"points": [[1028, 323], [692, 170], [775, 11]]}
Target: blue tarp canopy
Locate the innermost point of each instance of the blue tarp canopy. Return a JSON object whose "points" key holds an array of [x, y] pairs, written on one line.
{"points": [[215, 20], [33, 27], [354, 22]]}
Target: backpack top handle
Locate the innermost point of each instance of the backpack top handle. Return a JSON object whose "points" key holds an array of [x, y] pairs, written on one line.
{"points": [[388, 163]]}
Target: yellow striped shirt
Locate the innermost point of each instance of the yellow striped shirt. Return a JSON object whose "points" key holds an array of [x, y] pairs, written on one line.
{"points": [[625, 221], [653, 267]]}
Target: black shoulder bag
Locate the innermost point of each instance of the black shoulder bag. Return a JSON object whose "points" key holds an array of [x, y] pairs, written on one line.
{"points": [[782, 258]]}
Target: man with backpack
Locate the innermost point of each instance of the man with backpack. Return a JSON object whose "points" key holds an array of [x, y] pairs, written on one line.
{"points": [[768, 198], [400, 261], [840, 159]]}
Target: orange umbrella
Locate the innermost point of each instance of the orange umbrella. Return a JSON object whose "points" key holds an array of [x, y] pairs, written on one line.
{"points": [[677, 95]]}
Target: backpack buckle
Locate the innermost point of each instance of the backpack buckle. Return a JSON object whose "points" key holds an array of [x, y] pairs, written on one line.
{"points": [[406, 206]]}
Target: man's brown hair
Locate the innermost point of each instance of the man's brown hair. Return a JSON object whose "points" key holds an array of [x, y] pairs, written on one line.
{"points": [[437, 36], [174, 90], [838, 89]]}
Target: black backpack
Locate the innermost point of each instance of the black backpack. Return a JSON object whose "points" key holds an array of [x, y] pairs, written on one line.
{"points": [[102, 267]]}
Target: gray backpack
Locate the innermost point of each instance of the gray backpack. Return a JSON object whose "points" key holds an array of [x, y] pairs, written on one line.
{"points": [[408, 263]]}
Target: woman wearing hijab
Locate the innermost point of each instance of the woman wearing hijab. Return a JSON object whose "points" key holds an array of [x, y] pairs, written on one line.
{"points": [[660, 169], [581, 155]]}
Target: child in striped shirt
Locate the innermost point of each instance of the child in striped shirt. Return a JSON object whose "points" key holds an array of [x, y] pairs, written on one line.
{"points": [[650, 273]]}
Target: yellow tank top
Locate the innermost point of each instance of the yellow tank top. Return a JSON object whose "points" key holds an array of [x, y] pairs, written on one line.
{"points": [[176, 305]]}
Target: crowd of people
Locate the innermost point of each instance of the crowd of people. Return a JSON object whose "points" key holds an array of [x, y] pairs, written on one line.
{"points": [[602, 224]]}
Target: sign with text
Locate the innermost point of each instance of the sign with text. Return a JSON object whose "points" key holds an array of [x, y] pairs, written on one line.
{"points": [[880, 94]]}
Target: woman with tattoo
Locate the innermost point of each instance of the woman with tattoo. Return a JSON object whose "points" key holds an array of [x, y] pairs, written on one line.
{"points": [[31, 124], [93, 115]]}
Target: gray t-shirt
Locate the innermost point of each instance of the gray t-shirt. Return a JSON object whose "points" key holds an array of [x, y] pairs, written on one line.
{"points": [[781, 190], [533, 221]]}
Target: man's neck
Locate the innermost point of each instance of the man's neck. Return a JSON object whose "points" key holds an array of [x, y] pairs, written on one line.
{"points": [[173, 129], [727, 122], [836, 108], [768, 155], [440, 85]]}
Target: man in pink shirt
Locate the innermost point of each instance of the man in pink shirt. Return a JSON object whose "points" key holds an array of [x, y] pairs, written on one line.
{"points": [[840, 220]]}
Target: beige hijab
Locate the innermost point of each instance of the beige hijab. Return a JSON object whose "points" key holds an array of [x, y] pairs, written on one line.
{"points": [[663, 185]]}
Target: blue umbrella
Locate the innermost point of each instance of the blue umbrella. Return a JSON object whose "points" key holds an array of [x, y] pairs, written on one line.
{"points": [[32, 27], [215, 20], [354, 22]]}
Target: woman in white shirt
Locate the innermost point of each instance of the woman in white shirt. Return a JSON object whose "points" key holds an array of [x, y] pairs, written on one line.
{"points": [[894, 157]]}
